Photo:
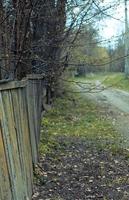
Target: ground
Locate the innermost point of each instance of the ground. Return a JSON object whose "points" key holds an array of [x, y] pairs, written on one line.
{"points": [[82, 171], [114, 100], [83, 151]]}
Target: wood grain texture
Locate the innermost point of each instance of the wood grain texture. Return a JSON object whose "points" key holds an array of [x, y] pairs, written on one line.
{"points": [[20, 118]]}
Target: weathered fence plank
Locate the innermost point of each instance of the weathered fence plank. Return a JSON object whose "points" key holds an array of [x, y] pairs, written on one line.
{"points": [[11, 149], [20, 116], [12, 85], [5, 190], [35, 89]]}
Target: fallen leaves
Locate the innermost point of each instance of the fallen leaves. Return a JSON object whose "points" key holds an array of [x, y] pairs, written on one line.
{"points": [[82, 172], [81, 156]]}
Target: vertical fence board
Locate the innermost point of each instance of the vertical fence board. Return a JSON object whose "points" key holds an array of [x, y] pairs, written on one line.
{"points": [[11, 146], [9, 141], [20, 140], [5, 192], [26, 141], [35, 89], [32, 126], [20, 117]]}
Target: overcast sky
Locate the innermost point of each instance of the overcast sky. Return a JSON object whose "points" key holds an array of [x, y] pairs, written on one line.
{"points": [[113, 25], [109, 27]]}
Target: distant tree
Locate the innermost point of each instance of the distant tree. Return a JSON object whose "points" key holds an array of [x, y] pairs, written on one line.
{"points": [[118, 55], [87, 54]]}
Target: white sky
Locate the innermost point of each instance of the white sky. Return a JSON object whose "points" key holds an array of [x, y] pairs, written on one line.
{"points": [[109, 27]]}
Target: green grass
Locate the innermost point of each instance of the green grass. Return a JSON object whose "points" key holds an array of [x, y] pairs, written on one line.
{"points": [[79, 118], [116, 80]]}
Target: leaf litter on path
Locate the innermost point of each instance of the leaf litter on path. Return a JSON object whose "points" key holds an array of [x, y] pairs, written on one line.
{"points": [[81, 171]]}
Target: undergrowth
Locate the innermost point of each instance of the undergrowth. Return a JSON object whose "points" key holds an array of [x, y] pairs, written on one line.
{"points": [[75, 116]]}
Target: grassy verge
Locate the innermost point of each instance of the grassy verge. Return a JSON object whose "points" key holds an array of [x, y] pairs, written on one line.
{"points": [[77, 117], [116, 80]]}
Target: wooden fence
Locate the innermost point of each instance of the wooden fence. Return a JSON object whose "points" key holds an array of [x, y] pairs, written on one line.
{"points": [[20, 114]]}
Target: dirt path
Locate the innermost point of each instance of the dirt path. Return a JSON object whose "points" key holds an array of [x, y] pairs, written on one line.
{"points": [[116, 105], [114, 97], [80, 171]]}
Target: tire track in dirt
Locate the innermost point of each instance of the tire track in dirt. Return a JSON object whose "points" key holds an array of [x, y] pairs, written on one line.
{"points": [[115, 103]]}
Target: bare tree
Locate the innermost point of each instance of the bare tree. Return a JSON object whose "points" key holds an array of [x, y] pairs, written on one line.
{"points": [[37, 35], [22, 37]]}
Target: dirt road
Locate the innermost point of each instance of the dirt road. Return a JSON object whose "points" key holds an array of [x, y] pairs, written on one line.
{"points": [[116, 106], [117, 98]]}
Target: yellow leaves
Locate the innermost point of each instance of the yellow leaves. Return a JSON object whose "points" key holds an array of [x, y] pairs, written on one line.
{"points": [[45, 121]]}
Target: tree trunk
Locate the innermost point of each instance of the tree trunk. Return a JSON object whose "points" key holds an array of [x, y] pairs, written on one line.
{"points": [[22, 38]]}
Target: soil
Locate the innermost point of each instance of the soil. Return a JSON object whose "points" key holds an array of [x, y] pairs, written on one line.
{"points": [[82, 171], [115, 104], [79, 170]]}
